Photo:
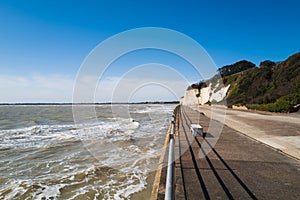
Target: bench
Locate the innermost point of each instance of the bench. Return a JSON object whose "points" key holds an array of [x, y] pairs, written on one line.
{"points": [[197, 130]]}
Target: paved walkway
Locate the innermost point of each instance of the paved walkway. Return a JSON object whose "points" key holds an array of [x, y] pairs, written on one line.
{"points": [[237, 167], [279, 130]]}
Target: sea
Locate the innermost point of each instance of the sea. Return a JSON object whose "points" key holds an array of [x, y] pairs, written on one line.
{"points": [[44, 154]]}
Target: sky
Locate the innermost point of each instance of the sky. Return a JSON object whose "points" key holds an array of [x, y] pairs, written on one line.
{"points": [[43, 44]]}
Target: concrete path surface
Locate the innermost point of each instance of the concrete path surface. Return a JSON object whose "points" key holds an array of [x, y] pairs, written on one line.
{"points": [[281, 131]]}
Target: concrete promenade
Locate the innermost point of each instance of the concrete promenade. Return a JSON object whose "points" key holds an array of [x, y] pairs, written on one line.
{"points": [[237, 167], [278, 130]]}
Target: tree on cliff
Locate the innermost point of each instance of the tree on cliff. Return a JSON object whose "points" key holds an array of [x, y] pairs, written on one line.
{"points": [[235, 68], [198, 86]]}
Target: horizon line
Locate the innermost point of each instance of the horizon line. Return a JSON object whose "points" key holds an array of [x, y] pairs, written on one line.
{"points": [[90, 103]]}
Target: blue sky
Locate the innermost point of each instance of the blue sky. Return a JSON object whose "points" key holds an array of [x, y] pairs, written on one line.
{"points": [[42, 42]]}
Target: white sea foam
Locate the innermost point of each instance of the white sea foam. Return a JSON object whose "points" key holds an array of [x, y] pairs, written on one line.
{"points": [[14, 188], [48, 192]]}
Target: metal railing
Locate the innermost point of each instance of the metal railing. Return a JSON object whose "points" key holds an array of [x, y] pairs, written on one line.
{"points": [[169, 193]]}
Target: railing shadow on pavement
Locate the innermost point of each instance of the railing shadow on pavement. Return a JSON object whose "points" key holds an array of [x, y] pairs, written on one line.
{"points": [[185, 118]]}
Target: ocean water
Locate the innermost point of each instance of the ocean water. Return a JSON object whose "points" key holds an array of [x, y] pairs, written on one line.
{"points": [[45, 155]]}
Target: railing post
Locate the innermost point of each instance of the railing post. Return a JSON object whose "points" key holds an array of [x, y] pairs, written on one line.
{"points": [[169, 194]]}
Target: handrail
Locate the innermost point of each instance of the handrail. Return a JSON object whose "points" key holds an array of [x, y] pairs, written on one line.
{"points": [[169, 193]]}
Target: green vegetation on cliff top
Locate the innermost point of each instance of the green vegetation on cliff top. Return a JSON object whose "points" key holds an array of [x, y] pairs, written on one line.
{"points": [[271, 87]]}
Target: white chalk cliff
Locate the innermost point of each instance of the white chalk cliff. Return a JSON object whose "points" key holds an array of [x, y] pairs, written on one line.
{"points": [[212, 93]]}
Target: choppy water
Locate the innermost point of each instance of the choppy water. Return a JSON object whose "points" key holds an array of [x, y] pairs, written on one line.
{"points": [[44, 155]]}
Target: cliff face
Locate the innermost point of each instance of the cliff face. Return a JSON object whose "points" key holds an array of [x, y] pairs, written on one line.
{"points": [[190, 97], [274, 85], [215, 92]]}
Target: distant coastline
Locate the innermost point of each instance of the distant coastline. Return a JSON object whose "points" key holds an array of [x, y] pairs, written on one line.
{"points": [[104, 103]]}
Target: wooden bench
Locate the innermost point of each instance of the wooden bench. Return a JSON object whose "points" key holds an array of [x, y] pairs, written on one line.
{"points": [[197, 130]]}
